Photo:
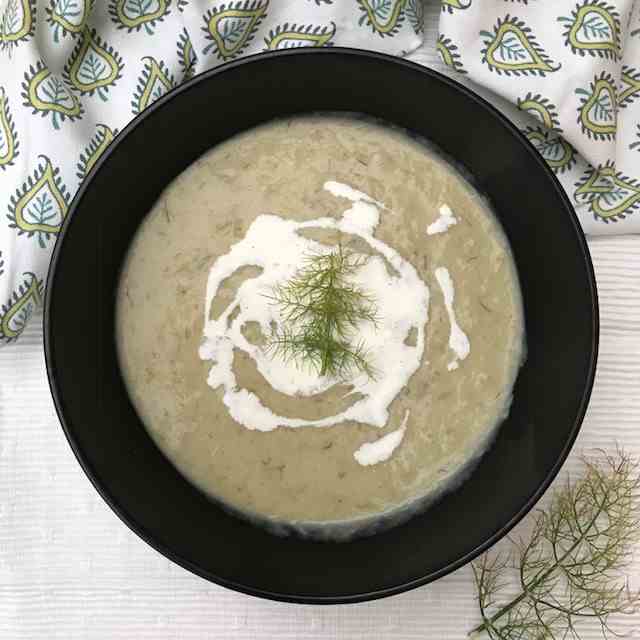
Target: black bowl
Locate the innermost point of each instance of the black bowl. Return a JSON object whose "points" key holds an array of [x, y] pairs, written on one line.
{"points": [[138, 482]]}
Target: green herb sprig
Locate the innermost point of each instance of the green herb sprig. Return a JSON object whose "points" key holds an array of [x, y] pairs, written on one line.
{"points": [[321, 310], [572, 566]]}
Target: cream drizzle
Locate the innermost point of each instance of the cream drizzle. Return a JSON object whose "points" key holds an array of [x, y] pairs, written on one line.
{"points": [[458, 341], [382, 449], [274, 244], [442, 224]]}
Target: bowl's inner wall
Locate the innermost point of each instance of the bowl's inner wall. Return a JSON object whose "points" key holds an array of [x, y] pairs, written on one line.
{"points": [[139, 482]]}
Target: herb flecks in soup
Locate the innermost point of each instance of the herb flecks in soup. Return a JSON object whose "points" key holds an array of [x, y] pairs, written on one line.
{"points": [[287, 435]]}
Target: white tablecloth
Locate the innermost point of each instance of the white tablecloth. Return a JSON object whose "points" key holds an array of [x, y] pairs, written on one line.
{"points": [[70, 569]]}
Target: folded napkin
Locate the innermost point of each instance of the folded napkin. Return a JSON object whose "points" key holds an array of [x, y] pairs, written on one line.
{"points": [[74, 72]]}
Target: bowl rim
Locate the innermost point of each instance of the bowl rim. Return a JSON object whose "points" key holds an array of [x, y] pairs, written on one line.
{"points": [[129, 519]]}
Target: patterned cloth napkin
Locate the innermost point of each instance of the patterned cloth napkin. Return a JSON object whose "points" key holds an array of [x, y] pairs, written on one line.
{"points": [[571, 70], [74, 72]]}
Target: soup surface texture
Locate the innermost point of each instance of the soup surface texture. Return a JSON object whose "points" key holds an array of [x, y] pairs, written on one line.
{"points": [[198, 313]]}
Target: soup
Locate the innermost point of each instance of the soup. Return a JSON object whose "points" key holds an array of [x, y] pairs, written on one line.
{"points": [[320, 325]]}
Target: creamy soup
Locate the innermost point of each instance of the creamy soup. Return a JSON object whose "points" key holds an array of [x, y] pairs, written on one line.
{"points": [[237, 388]]}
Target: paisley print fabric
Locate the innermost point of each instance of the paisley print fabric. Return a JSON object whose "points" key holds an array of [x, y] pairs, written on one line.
{"points": [[571, 70]]}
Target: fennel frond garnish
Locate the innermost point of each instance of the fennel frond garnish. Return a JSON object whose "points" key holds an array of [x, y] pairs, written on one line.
{"points": [[572, 565], [321, 310]]}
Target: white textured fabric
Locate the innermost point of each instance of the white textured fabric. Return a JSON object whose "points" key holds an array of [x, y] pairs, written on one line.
{"points": [[70, 570]]}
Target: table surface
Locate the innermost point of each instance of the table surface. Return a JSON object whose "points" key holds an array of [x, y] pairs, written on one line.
{"points": [[70, 569]]}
